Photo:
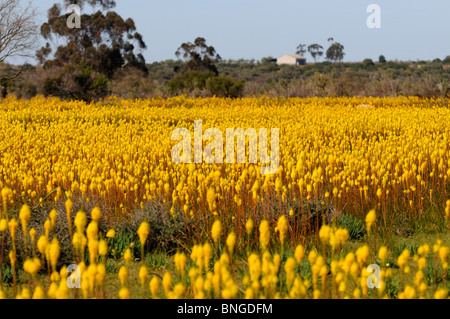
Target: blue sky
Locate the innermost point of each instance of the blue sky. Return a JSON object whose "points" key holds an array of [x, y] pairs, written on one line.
{"points": [[410, 29]]}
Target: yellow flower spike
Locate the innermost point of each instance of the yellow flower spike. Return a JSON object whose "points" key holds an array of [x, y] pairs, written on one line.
{"points": [[231, 241], [216, 231], [103, 248], [32, 234], [207, 254], [422, 263], [179, 290], [111, 234], [289, 268], [143, 273], [13, 225], [382, 254], [342, 236], [370, 220], [403, 259], [312, 257], [93, 251], [53, 215], [54, 252], [356, 293], [42, 244], [123, 275], [124, 293], [38, 293], [167, 283], [210, 198], [249, 226], [92, 231], [26, 294], [264, 234], [180, 260], [52, 290], [3, 225], [254, 267], [24, 216], [55, 277], [128, 255], [325, 233], [299, 253], [80, 221], [447, 209], [32, 266], [47, 227], [69, 206], [443, 254], [96, 214], [441, 293], [362, 253], [85, 284], [154, 287], [6, 192], [249, 294], [282, 228], [100, 274], [143, 232]]}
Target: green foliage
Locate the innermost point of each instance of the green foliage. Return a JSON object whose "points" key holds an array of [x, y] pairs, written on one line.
{"points": [[7, 274], [400, 247], [123, 240], [355, 226], [335, 52], [381, 59], [199, 57], [166, 231], [157, 260], [393, 287], [112, 267], [92, 54], [77, 82], [187, 82], [368, 64], [225, 86]]}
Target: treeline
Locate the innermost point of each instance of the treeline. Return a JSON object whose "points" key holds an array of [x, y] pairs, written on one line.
{"points": [[238, 78], [104, 57]]}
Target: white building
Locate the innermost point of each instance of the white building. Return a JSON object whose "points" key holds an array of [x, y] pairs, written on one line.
{"points": [[292, 59]]}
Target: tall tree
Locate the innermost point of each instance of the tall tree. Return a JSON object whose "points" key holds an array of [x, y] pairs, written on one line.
{"points": [[316, 50], [301, 49], [104, 44], [335, 52], [198, 56], [18, 36]]}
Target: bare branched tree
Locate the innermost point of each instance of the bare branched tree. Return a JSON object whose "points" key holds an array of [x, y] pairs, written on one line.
{"points": [[18, 29]]}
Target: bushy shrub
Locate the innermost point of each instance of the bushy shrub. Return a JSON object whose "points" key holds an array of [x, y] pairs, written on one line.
{"points": [[356, 227], [187, 82], [222, 86]]}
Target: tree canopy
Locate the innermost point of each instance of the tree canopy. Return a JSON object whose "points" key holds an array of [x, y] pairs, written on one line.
{"points": [[198, 56], [104, 44]]}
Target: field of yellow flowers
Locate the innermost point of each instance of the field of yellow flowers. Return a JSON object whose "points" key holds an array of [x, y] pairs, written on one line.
{"points": [[354, 173]]}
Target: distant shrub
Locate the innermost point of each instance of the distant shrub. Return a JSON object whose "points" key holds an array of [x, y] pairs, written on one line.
{"points": [[368, 64], [187, 82], [225, 87]]}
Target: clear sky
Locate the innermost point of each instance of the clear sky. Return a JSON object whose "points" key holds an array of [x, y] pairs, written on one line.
{"points": [[410, 29]]}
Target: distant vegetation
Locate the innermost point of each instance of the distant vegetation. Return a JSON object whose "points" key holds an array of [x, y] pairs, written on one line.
{"points": [[256, 78], [105, 57]]}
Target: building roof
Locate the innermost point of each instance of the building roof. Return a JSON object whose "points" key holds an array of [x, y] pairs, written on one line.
{"points": [[295, 56]]}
